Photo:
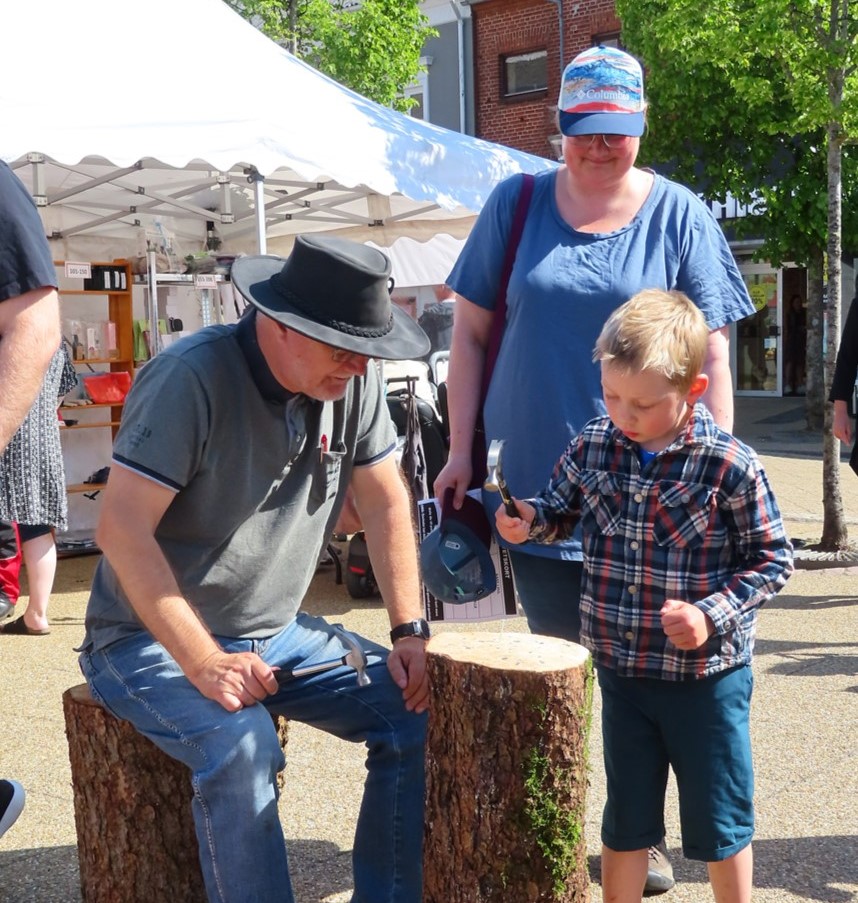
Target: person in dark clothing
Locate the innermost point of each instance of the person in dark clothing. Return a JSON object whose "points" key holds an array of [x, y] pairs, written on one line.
{"points": [[795, 350], [845, 372]]}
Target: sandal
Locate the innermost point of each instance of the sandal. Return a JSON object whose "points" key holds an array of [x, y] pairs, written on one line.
{"points": [[18, 627]]}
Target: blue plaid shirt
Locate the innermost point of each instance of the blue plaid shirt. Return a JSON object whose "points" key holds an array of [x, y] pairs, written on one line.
{"points": [[698, 523]]}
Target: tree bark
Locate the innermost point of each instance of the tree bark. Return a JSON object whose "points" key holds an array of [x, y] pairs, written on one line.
{"points": [[834, 531], [507, 769], [132, 802]]}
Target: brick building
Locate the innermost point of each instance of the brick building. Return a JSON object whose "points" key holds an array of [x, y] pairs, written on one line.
{"points": [[520, 50]]}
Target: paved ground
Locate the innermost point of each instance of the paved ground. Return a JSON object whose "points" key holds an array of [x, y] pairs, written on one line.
{"points": [[805, 724]]}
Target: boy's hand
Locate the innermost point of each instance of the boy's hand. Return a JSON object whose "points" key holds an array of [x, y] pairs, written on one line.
{"points": [[515, 529], [685, 625]]}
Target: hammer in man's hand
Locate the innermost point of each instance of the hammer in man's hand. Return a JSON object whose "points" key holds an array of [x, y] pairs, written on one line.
{"points": [[354, 658]]}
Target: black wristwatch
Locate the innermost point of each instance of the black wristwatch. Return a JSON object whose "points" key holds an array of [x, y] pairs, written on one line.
{"points": [[420, 628]]}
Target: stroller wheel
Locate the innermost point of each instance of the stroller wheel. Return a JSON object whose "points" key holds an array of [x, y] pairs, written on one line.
{"points": [[359, 579]]}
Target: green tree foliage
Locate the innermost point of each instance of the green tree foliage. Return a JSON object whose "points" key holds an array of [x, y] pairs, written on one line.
{"points": [[739, 105], [372, 47], [757, 98]]}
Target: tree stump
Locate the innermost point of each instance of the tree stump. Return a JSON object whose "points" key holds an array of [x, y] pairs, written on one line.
{"points": [[507, 769], [132, 806]]}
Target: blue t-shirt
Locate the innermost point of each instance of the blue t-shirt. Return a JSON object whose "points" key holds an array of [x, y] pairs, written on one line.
{"points": [[563, 287], [25, 256]]}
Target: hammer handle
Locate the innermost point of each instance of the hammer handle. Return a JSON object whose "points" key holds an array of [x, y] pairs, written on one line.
{"points": [[506, 498], [284, 675]]}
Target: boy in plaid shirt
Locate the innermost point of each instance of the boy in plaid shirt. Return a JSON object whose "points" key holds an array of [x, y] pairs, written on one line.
{"points": [[683, 542]]}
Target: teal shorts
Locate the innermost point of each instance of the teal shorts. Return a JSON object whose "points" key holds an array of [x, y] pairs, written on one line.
{"points": [[700, 728]]}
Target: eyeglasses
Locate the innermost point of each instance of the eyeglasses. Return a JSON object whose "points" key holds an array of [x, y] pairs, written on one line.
{"points": [[340, 356], [611, 141]]}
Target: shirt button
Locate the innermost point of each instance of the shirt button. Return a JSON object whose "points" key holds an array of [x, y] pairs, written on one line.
{"points": [[629, 635], [638, 497], [633, 589], [634, 544], [686, 498]]}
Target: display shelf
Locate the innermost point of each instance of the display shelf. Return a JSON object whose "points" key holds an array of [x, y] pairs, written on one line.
{"points": [[91, 406], [93, 293], [85, 487], [104, 360], [206, 288]]}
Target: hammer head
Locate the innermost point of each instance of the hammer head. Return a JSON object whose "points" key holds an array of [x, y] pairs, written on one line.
{"points": [[495, 481], [355, 657], [494, 477]]}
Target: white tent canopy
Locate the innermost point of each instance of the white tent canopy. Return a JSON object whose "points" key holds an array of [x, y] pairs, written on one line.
{"points": [[186, 113]]}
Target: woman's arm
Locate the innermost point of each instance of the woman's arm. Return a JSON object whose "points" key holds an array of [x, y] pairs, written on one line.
{"points": [[471, 327], [719, 395]]}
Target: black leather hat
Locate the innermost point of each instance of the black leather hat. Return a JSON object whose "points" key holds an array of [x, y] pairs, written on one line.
{"points": [[335, 291]]}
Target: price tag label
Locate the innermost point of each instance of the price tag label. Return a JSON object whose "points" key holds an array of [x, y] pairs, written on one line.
{"points": [[759, 295], [205, 280], [78, 270]]}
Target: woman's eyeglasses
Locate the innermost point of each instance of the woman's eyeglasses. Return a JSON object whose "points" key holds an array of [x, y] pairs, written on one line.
{"points": [[611, 141]]}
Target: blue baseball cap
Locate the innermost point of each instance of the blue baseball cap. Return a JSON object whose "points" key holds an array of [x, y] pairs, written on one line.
{"points": [[601, 93], [455, 561]]}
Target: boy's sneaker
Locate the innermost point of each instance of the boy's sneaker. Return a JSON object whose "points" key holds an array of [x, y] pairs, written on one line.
{"points": [[11, 804], [659, 876]]}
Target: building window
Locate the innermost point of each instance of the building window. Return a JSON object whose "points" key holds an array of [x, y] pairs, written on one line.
{"points": [[417, 110], [608, 39], [524, 73], [419, 91]]}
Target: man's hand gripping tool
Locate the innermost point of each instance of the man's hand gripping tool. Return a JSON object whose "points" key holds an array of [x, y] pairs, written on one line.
{"points": [[354, 658]]}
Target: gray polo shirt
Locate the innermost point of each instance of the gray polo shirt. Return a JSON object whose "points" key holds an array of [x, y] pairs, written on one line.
{"points": [[259, 474]]}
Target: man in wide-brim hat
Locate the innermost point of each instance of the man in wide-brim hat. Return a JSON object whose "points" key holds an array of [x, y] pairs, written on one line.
{"points": [[236, 449]]}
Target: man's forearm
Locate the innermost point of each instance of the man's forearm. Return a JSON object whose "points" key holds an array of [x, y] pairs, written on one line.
{"points": [[151, 588], [392, 549]]}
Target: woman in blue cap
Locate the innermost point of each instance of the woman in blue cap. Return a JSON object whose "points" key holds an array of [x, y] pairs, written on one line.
{"points": [[598, 230]]}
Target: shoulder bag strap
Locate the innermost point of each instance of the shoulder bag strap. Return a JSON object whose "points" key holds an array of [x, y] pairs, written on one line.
{"points": [[479, 446], [499, 321]]}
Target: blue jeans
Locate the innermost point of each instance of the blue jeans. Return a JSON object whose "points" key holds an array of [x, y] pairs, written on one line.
{"points": [[550, 592], [234, 758]]}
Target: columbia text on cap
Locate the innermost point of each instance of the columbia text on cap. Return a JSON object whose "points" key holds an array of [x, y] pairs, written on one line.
{"points": [[601, 92]]}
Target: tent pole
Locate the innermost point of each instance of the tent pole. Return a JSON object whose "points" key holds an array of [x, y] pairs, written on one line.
{"points": [[258, 182], [154, 332]]}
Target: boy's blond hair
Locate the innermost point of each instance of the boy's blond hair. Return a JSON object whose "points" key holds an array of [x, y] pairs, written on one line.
{"points": [[657, 330]]}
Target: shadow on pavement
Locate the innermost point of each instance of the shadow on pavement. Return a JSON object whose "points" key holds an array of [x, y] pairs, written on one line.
{"points": [[50, 874], [784, 601], [43, 875], [319, 869], [808, 867]]}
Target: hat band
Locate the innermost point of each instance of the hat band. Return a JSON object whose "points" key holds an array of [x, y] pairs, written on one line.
{"points": [[339, 325]]}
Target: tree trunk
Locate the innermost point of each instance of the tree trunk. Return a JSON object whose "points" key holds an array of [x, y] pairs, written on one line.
{"points": [[834, 531], [507, 769], [132, 802]]}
